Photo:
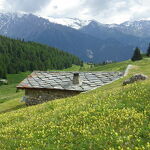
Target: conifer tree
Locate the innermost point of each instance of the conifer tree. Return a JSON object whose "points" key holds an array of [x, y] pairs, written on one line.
{"points": [[148, 51], [137, 55], [18, 56]]}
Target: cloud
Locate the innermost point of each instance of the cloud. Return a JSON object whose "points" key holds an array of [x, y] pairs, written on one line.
{"points": [[25, 5], [63, 8], [1, 4], [117, 11], [105, 11]]}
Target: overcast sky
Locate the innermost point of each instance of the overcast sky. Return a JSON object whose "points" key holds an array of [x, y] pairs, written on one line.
{"points": [[105, 11]]}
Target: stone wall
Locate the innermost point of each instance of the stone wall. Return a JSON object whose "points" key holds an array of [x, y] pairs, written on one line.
{"points": [[36, 96]]}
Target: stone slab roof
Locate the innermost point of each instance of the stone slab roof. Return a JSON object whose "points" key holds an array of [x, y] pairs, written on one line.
{"points": [[64, 80]]}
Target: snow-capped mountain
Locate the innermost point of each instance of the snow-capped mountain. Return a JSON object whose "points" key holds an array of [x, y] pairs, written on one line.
{"points": [[139, 28], [90, 40], [69, 22], [114, 31], [6, 19]]}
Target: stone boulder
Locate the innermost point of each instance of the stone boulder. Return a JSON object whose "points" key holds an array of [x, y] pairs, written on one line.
{"points": [[137, 77]]}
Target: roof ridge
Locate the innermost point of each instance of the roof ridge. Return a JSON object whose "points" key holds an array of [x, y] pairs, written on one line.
{"points": [[36, 71], [62, 80]]}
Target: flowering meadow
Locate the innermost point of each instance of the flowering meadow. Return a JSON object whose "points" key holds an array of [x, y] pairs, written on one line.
{"points": [[113, 117]]}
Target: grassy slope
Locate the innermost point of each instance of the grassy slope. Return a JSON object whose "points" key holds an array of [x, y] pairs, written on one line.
{"points": [[109, 67], [9, 99], [111, 117]]}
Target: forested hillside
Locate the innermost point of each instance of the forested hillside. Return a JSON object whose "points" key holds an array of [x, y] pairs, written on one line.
{"points": [[19, 56]]}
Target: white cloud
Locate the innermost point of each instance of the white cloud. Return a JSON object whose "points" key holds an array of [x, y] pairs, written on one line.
{"points": [[117, 11], [24, 5], [1, 4], [59, 8], [105, 11]]}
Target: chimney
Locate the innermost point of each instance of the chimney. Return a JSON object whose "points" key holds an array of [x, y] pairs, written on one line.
{"points": [[76, 78]]}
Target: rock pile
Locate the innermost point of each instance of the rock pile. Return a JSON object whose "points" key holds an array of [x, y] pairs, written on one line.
{"points": [[135, 78]]}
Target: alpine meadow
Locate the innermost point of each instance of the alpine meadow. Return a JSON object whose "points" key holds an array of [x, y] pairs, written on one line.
{"points": [[75, 75]]}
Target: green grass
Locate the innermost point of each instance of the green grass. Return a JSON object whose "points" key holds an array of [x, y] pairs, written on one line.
{"points": [[73, 68], [109, 67], [9, 98], [120, 66], [110, 117]]}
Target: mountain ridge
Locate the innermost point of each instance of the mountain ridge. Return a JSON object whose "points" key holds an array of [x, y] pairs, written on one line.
{"points": [[106, 43]]}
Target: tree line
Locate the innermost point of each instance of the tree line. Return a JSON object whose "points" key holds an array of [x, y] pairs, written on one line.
{"points": [[19, 56]]}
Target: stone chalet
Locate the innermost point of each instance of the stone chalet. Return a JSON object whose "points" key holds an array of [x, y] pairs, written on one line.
{"points": [[44, 86]]}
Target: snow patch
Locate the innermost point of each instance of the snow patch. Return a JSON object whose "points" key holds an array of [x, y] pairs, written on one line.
{"points": [[69, 22]]}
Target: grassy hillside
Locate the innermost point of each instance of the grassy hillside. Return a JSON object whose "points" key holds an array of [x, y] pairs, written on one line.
{"points": [[109, 67], [9, 99], [110, 117]]}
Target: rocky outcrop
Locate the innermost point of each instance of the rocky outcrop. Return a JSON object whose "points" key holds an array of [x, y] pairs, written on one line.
{"points": [[135, 78]]}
